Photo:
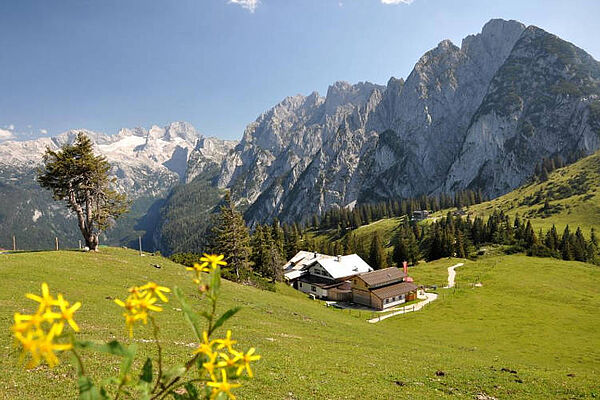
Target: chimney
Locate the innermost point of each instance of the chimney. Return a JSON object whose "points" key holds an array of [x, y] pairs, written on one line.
{"points": [[405, 267], [339, 258]]}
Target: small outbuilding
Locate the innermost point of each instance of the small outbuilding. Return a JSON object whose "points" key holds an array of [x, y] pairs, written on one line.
{"points": [[383, 288]]}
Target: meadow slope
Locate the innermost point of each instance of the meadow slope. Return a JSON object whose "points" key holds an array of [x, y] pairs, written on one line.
{"points": [[537, 317], [573, 194]]}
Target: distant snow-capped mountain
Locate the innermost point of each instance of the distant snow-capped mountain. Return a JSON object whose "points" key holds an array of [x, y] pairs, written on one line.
{"points": [[147, 163]]}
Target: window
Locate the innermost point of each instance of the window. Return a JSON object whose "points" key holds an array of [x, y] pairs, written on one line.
{"points": [[313, 288]]}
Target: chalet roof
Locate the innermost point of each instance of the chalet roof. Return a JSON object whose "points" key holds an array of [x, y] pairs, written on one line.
{"points": [[396, 289], [382, 276], [344, 266], [293, 268]]}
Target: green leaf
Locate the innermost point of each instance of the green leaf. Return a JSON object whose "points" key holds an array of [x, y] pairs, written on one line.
{"points": [[172, 373], [190, 316], [146, 375], [113, 347], [88, 391], [228, 314], [128, 360]]}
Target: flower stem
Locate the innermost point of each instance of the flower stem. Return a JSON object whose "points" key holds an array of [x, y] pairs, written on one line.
{"points": [[155, 332]]}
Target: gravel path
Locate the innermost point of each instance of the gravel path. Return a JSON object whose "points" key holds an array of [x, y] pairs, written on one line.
{"points": [[452, 275], [429, 297]]}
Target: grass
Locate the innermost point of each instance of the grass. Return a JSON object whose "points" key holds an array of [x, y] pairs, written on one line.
{"points": [[573, 193], [538, 317], [364, 234]]}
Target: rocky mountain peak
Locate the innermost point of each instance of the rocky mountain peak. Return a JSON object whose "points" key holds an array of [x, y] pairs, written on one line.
{"points": [[343, 94]]}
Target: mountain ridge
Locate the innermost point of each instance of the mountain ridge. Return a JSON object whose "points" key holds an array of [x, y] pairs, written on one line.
{"points": [[478, 116]]}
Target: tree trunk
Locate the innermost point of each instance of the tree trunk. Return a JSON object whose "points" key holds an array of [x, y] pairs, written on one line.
{"points": [[91, 242]]}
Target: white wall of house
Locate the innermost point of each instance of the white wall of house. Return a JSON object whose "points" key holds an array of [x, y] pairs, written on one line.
{"points": [[394, 301], [312, 289]]}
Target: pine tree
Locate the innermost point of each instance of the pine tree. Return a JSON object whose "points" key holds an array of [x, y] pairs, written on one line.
{"points": [[552, 241], [459, 245], [566, 249], [292, 242], [231, 238], [278, 236], [412, 247], [592, 247], [579, 246], [377, 258], [400, 251], [529, 236]]}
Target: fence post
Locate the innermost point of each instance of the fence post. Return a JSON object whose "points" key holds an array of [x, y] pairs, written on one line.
{"points": [[14, 243], [140, 242], [79, 244], [56, 242]]}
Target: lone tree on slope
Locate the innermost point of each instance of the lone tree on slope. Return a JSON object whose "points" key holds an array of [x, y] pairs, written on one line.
{"points": [[80, 178]]}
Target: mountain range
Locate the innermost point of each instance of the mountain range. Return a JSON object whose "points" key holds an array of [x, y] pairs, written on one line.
{"points": [[478, 116]]}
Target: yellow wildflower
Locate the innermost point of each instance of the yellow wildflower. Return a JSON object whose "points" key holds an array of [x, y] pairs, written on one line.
{"points": [[157, 290], [46, 301], [227, 361], [213, 259], [24, 322], [131, 318], [246, 359], [206, 346], [147, 303], [211, 365], [66, 312], [226, 342], [29, 345], [197, 268], [38, 345], [222, 386], [47, 347], [142, 300]]}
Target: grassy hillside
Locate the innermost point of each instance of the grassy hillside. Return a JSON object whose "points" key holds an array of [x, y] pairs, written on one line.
{"points": [[386, 228], [573, 193], [538, 317]]}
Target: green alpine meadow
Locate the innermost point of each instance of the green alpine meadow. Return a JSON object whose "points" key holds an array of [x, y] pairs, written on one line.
{"points": [[300, 200]]}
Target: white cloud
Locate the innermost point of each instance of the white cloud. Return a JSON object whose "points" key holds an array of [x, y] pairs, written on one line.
{"points": [[11, 127], [43, 131], [397, 1], [5, 135], [249, 5]]}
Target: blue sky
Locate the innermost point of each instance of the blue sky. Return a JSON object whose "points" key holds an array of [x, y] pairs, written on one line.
{"points": [[107, 64]]}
